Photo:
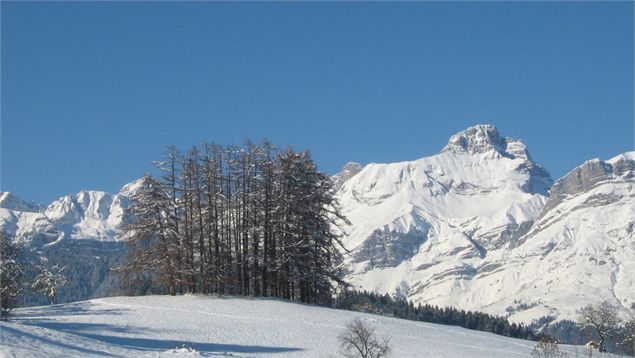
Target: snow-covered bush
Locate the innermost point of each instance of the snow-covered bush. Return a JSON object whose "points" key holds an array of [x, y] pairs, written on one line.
{"points": [[10, 275], [547, 348]]}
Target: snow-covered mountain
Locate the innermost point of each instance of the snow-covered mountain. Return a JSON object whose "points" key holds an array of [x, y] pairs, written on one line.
{"points": [[477, 227], [94, 215]]}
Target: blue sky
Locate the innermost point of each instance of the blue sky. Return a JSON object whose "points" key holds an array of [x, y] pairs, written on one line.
{"points": [[93, 92]]}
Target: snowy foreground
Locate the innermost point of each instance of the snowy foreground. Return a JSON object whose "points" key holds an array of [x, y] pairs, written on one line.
{"points": [[154, 326]]}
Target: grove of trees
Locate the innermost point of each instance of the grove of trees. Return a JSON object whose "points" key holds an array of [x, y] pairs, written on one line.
{"points": [[249, 220]]}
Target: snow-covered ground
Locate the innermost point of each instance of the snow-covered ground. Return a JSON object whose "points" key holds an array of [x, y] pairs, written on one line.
{"points": [[152, 326]]}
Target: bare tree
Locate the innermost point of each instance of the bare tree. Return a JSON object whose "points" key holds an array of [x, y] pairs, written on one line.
{"points": [[360, 340], [48, 282], [601, 319]]}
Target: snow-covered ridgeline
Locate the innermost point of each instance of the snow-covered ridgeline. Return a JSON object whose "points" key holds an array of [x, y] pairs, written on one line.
{"points": [[94, 215]]}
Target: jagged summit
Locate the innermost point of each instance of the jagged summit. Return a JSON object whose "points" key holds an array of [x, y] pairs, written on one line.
{"points": [[476, 139], [482, 138]]}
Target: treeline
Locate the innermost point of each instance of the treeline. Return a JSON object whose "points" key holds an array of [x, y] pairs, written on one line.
{"points": [[250, 220], [370, 302]]}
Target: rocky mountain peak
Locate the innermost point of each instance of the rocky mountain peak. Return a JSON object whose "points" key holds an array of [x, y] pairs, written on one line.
{"points": [[477, 139], [483, 138]]}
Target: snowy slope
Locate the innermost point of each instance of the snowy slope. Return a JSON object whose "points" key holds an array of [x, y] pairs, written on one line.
{"points": [[152, 326], [473, 227]]}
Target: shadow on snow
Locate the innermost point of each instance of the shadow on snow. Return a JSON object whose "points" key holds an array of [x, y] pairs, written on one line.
{"points": [[159, 344], [46, 341], [87, 330], [67, 309]]}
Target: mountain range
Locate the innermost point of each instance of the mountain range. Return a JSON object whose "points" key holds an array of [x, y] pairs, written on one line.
{"points": [[478, 226]]}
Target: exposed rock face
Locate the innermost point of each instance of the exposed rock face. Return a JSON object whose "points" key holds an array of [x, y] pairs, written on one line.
{"points": [[480, 139], [589, 175], [389, 248]]}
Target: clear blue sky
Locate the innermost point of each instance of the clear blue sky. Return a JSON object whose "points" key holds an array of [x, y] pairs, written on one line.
{"points": [[93, 92]]}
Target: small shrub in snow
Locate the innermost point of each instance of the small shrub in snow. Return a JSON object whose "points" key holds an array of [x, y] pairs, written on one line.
{"points": [[547, 348], [360, 341]]}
